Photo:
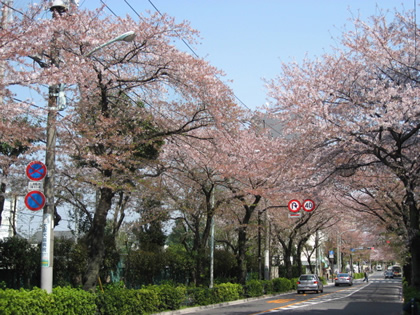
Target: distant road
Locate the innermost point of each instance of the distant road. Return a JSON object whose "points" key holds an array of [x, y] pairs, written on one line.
{"points": [[378, 297]]}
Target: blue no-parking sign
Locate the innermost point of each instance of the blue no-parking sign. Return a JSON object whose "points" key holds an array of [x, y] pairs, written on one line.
{"points": [[36, 170], [35, 200]]}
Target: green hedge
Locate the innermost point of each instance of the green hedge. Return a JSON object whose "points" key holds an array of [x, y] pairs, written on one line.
{"points": [[219, 293], [411, 296], [227, 292], [282, 284], [116, 299], [127, 301], [37, 301], [254, 288]]}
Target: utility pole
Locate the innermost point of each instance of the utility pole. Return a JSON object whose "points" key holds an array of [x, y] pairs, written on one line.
{"points": [[267, 248], [317, 269], [4, 23], [338, 252], [212, 241], [47, 248], [259, 247]]}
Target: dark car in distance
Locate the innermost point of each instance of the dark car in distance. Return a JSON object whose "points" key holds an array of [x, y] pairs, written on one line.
{"points": [[388, 274]]}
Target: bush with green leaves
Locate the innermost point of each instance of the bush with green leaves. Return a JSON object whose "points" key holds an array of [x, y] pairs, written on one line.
{"points": [[199, 296], [36, 301], [23, 301], [223, 292], [170, 297], [411, 296], [254, 288], [71, 301], [282, 284], [117, 300], [227, 292], [268, 286]]}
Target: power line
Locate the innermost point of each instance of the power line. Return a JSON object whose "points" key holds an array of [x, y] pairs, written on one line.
{"points": [[183, 40], [197, 56]]}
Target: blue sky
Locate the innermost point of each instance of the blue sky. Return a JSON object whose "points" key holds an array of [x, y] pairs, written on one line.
{"points": [[249, 39]]}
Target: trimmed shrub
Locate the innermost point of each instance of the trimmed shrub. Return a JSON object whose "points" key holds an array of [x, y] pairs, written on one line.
{"points": [[411, 298], [38, 301], [268, 287], [226, 292], [71, 301], [223, 292], [254, 288], [282, 285], [170, 297], [127, 301], [199, 296], [26, 302], [294, 281]]}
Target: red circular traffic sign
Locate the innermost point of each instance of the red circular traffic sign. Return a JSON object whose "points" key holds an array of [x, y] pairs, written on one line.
{"points": [[36, 170], [35, 200], [294, 205], [308, 205]]}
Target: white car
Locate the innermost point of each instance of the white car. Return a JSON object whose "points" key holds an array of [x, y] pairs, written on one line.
{"points": [[378, 268]]}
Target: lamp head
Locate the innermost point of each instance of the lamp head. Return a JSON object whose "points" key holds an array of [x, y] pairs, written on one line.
{"points": [[61, 6], [128, 37]]}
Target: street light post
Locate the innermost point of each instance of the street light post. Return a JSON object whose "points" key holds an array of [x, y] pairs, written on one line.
{"points": [[126, 37], [339, 249], [338, 252], [47, 246], [212, 242]]}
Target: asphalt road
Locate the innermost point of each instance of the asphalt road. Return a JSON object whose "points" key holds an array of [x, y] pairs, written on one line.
{"points": [[378, 296]]}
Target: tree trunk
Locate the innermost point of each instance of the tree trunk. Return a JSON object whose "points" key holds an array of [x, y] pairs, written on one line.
{"points": [[243, 238], [287, 254], [96, 246], [241, 258], [414, 246]]}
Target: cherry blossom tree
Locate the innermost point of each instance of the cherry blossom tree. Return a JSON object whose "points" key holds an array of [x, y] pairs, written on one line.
{"points": [[242, 165], [123, 100], [357, 109], [255, 167]]}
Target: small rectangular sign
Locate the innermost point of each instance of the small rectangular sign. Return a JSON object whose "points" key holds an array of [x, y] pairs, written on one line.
{"points": [[35, 186], [295, 215]]}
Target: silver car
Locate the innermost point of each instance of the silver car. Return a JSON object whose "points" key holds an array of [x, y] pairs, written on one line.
{"points": [[343, 278], [309, 282]]}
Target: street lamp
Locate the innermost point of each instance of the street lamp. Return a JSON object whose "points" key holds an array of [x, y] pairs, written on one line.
{"points": [[339, 249], [126, 37], [47, 246]]}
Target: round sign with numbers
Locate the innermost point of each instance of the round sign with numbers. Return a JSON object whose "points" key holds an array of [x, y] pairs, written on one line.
{"points": [[308, 205], [294, 205]]}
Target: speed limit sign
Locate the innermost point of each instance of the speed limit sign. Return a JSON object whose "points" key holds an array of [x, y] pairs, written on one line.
{"points": [[294, 205], [308, 205]]}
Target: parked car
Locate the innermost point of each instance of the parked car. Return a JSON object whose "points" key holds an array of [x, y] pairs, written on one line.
{"points": [[388, 274], [343, 278], [309, 282]]}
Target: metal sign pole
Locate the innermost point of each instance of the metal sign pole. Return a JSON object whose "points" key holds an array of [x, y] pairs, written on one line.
{"points": [[47, 247]]}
